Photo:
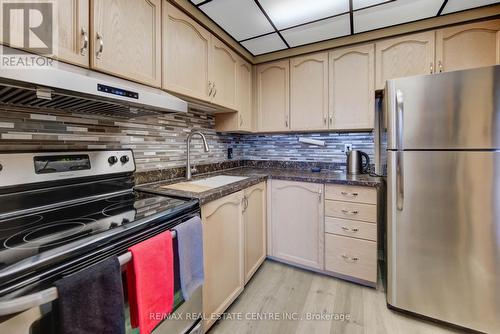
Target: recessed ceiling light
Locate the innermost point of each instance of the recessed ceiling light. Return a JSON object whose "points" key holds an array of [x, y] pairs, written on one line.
{"points": [[288, 13]]}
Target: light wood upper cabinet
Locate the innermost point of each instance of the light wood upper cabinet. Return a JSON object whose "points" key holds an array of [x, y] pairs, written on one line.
{"points": [[273, 96], [404, 56], [254, 220], [73, 31], [296, 231], [244, 89], [186, 48], [309, 92], [126, 39], [468, 46], [223, 74], [352, 88], [223, 254]]}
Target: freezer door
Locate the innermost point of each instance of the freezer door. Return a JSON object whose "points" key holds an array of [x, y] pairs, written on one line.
{"points": [[443, 242], [454, 110]]}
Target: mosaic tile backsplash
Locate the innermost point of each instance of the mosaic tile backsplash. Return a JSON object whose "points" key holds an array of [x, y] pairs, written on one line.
{"points": [[159, 142]]}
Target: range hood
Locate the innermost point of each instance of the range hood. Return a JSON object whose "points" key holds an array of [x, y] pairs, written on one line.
{"points": [[70, 88]]}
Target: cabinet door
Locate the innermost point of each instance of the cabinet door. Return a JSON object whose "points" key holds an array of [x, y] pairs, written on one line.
{"points": [[73, 31], [297, 227], [126, 39], [186, 46], [273, 104], [254, 219], [223, 74], [223, 254], [352, 88], [468, 46], [404, 56], [309, 92], [244, 96]]}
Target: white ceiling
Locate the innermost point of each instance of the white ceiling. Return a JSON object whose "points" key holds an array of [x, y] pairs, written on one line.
{"points": [[263, 26]]}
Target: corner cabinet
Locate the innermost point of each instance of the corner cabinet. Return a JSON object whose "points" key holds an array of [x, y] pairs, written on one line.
{"points": [[296, 226], [404, 56], [186, 48], [352, 88], [254, 220], [468, 46], [273, 96], [223, 247], [126, 39], [309, 92]]}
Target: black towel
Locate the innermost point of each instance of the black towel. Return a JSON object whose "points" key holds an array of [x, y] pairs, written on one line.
{"points": [[91, 301]]}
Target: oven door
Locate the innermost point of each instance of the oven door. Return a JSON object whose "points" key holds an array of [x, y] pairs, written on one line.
{"points": [[184, 319]]}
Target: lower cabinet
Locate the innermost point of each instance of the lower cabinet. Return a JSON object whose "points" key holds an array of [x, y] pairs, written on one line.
{"points": [[223, 254], [254, 221], [296, 227], [234, 246]]}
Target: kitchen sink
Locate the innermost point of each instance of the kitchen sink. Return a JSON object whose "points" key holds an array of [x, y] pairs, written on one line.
{"points": [[218, 181], [208, 183]]}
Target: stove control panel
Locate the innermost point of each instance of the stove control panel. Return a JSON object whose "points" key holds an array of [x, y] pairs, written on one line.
{"points": [[26, 168]]}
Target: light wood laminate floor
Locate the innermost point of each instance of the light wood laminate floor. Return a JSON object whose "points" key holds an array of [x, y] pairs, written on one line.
{"points": [[285, 290]]}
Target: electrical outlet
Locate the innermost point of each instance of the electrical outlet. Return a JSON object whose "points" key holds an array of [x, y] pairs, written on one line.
{"points": [[347, 147]]}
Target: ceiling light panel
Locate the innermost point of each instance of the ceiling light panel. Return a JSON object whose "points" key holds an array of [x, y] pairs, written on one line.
{"points": [[242, 19], [264, 44], [458, 5], [357, 4], [392, 13], [318, 31], [289, 13]]}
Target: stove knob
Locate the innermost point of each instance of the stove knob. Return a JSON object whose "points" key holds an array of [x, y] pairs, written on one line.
{"points": [[112, 160], [124, 159]]}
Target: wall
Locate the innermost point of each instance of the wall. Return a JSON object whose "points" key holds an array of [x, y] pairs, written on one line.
{"points": [[159, 142]]}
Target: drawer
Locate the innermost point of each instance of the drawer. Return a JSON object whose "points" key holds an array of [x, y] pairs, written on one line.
{"points": [[347, 210], [351, 194], [351, 228], [351, 257]]}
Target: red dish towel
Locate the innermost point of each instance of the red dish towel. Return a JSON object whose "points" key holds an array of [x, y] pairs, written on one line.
{"points": [[150, 280]]}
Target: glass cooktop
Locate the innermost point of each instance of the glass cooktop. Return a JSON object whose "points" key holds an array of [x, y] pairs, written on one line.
{"points": [[31, 235]]}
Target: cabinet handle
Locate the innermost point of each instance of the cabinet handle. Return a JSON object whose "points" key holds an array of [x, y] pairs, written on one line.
{"points": [[347, 229], [440, 64], [345, 193], [244, 202], [241, 120], [320, 194], [85, 47], [215, 90], [432, 68], [286, 121], [350, 259], [324, 120], [347, 212], [101, 46], [331, 119], [210, 88]]}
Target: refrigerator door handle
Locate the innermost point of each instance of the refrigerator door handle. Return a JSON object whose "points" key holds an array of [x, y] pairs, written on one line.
{"points": [[399, 153]]}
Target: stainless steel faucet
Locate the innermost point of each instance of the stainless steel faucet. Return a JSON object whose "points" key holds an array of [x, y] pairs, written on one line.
{"points": [[188, 150]]}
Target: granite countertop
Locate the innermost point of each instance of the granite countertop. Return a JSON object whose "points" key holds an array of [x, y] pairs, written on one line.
{"points": [[257, 175]]}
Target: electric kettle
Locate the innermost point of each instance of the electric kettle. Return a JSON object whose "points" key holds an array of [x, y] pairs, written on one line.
{"points": [[355, 162]]}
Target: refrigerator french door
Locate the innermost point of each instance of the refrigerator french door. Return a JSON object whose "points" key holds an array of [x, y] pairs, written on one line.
{"points": [[443, 181]]}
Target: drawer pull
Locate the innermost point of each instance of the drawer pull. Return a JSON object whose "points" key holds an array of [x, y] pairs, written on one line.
{"points": [[345, 193], [347, 212], [350, 259], [354, 230]]}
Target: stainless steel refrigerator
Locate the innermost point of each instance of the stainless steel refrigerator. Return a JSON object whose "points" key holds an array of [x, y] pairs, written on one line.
{"points": [[443, 196]]}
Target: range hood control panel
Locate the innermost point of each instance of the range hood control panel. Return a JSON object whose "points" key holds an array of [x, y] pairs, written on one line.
{"points": [[117, 91]]}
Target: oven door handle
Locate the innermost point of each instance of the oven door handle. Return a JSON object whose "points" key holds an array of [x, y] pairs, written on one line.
{"points": [[23, 303]]}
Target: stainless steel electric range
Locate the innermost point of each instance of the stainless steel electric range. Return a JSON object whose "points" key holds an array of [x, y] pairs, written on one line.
{"points": [[61, 212]]}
